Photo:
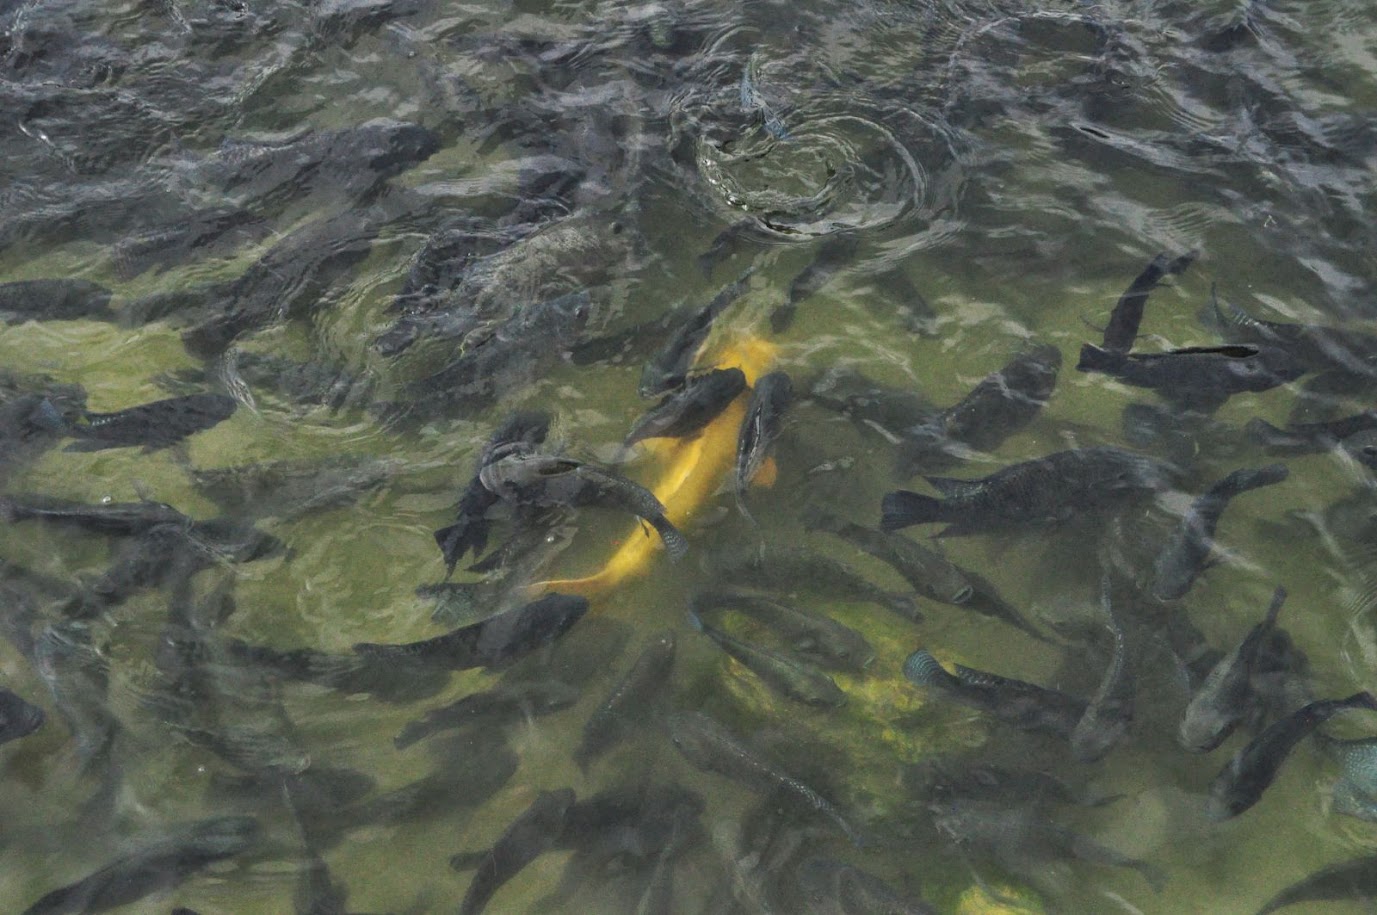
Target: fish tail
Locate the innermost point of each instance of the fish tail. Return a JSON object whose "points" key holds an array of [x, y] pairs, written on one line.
{"points": [[1095, 359], [902, 508], [1249, 478], [922, 669], [676, 545]]}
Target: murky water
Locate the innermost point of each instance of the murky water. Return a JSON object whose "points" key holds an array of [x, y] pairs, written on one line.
{"points": [[936, 187]]}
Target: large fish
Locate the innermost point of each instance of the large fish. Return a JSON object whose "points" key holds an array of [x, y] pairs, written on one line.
{"points": [[785, 676], [1227, 695], [1240, 784], [629, 700], [1039, 492], [833, 254], [155, 425], [688, 410], [824, 639], [1003, 403], [1197, 378], [54, 300], [1023, 705], [1188, 550], [789, 570], [669, 367], [1320, 348], [1310, 438], [770, 400], [1354, 880], [534, 832], [517, 701], [1122, 328], [1110, 711], [517, 473]]}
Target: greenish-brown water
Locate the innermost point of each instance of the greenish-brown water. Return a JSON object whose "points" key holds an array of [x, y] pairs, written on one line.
{"points": [[1013, 167]]}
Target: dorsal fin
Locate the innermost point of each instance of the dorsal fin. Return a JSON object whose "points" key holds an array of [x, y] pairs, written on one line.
{"points": [[952, 487]]}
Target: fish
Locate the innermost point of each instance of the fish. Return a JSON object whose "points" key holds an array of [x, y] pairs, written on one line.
{"points": [[710, 747], [771, 398], [1024, 843], [832, 255], [626, 705], [18, 717], [490, 707], [783, 675], [1355, 791], [820, 637], [1187, 552], [1044, 491], [1320, 348], [669, 367], [686, 411], [155, 425], [752, 101], [831, 887], [117, 519], [54, 300], [77, 675], [1197, 378], [291, 278], [1002, 404], [1227, 695], [1110, 711], [963, 777], [1122, 329], [289, 489], [518, 474], [790, 569], [470, 529], [1355, 879], [534, 832], [215, 231], [1022, 705], [154, 865], [1310, 438], [1240, 784], [871, 405], [494, 642]]}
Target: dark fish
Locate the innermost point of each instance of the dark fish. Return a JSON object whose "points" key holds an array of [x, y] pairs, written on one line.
{"points": [[729, 242], [155, 425], [516, 473], [1319, 348], [821, 637], [1227, 695], [831, 887], [963, 777], [18, 718], [752, 101], [289, 489], [712, 748], [156, 865], [120, 519], [668, 368], [626, 705], [1198, 378], [494, 642], [927, 571], [1025, 706], [835, 253], [1310, 438], [999, 406], [688, 410], [783, 675], [54, 300], [78, 677], [470, 529], [791, 570], [1110, 711], [1187, 553], [530, 835], [1352, 880], [489, 707], [770, 399], [1024, 843], [1122, 328], [870, 405], [1240, 784], [291, 278], [1042, 491], [217, 231]]}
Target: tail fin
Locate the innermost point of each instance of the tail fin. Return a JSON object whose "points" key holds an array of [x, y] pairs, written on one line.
{"points": [[902, 508], [1094, 359]]}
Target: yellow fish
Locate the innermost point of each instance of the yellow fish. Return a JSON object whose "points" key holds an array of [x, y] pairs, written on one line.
{"points": [[693, 470]]}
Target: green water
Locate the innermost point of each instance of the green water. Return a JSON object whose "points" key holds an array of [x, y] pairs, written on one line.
{"points": [[1017, 230]]}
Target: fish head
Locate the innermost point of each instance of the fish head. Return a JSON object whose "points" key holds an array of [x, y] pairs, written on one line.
{"points": [[1362, 447], [1261, 368]]}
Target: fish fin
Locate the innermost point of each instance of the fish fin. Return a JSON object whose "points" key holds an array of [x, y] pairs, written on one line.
{"points": [[952, 487], [696, 622], [902, 508], [89, 445], [767, 474], [1229, 314], [468, 860], [1364, 699], [46, 416], [955, 530], [676, 545], [1094, 359]]}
